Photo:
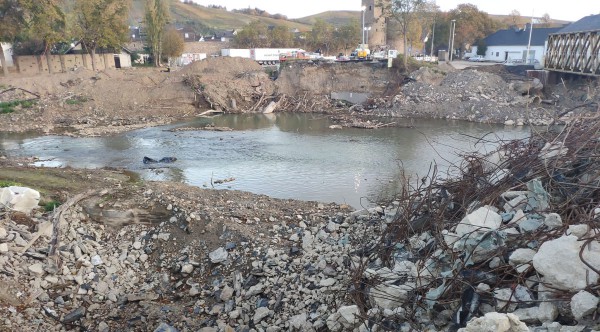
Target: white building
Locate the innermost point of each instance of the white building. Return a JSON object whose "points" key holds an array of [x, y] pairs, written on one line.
{"points": [[511, 44], [7, 48]]}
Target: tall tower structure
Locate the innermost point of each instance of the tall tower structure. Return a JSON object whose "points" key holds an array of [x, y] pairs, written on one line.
{"points": [[376, 21]]}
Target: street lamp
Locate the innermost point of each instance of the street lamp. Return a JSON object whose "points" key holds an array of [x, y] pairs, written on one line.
{"points": [[453, 30], [367, 29], [363, 8]]}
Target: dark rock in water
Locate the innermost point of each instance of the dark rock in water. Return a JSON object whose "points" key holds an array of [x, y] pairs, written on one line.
{"points": [[74, 315], [166, 160]]}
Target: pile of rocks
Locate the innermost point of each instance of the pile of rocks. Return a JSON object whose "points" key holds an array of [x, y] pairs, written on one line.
{"points": [[229, 261], [472, 95]]}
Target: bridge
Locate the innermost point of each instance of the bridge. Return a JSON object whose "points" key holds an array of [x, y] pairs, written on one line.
{"points": [[576, 48]]}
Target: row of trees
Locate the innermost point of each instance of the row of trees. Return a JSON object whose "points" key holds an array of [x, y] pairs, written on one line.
{"points": [[52, 26], [323, 36]]}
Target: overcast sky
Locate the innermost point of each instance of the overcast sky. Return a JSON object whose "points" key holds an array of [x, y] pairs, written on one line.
{"points": [[571, 10]]}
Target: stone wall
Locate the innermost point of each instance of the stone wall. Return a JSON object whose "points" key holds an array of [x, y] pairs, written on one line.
{"points": [[35, 64]]}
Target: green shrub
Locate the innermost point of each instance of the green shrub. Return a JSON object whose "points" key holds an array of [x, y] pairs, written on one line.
{"points": [[9, 106], [7, 183], [50, 206]]}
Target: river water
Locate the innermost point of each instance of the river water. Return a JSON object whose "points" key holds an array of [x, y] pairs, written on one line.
{"points": [[283, 155]]}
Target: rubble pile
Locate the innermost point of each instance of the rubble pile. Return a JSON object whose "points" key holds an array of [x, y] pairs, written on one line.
{"points": [[472, 95], [516, 233], [511, 244]]}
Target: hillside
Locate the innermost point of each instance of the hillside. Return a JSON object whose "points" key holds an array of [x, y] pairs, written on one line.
{"points": [[210, 17], [336, 18]]}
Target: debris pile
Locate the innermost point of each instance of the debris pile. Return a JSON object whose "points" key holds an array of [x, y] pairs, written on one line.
{"points": [[517, 233], [472, 95]]}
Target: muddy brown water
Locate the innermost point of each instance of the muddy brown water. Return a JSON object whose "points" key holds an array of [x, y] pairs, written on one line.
{"points": [[281, 155]]}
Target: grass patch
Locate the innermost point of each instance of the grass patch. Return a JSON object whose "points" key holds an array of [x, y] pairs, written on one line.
{"points": [[76, 100], [9, 106], [50, 206], [6, 183]]}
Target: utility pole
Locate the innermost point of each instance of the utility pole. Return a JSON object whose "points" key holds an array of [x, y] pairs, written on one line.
{"points": [[452, 38], [527, 60], [432, 37], [364, 8]]}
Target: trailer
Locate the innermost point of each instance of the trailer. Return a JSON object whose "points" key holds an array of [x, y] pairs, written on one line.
{"points": [[236, 52]]}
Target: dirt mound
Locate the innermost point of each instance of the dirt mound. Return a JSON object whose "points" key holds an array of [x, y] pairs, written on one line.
{"points": [[229, 84]]}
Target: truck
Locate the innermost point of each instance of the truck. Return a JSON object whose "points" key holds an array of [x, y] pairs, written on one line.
{"points": [[264, 56]]}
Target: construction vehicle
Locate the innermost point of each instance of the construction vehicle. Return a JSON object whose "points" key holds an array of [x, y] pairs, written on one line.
{"points": [[362, 53]]}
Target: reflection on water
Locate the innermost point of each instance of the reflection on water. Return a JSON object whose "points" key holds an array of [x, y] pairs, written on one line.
{"points": [[282, 155]]}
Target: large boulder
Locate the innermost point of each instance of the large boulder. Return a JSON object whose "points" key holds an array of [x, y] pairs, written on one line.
{"points": [[20, 199], [495, 322], [482, 219], [559, 262]]}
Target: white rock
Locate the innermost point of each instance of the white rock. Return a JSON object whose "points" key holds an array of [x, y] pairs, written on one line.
{"points": [[405, 268], [294, 237], [187, 268], [389, 296], [298, 321], [558, 261], [333, 227], [327, 282], [553, 220], [307, 241], [260, 314], [578, 230], [3, 233], [137, 245], [20, 199], [583, 304], [36, 269], [483, 219], [3, 247], [495, 322], [546, 312], [333, 323], [226, 293], [521, 256], [350, 314], [219, 255], [450, 238], [96, 260]]}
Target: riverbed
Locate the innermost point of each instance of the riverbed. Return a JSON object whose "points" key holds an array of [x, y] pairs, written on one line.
{"points": [[281, 155]]}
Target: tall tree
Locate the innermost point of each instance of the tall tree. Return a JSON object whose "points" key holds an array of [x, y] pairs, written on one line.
{"points": [[514, 17], [46, 22], [12, 22], [172, 44], [348, 34], [471, 25], [156, 18], [321, 36], [405, 12], [280, 36], [545, 21], [101, 23], [252, 35]]}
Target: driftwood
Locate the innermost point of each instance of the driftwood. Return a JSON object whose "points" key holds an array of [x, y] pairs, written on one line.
{"points": [[367, 125], [37, 96]]}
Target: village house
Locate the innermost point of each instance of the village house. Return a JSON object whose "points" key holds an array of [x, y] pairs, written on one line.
{"points": [[511, 45]]}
